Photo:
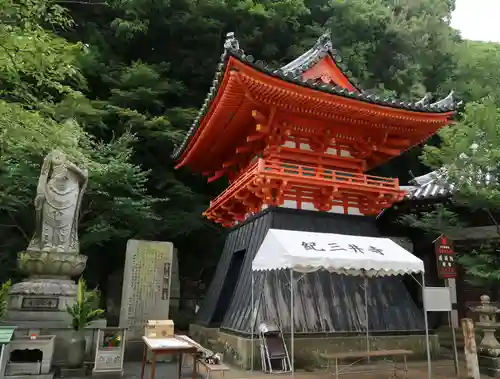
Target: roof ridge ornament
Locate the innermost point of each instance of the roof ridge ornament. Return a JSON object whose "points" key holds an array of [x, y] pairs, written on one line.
{"points": [[231, 42], [424, 101], [324, 41]]}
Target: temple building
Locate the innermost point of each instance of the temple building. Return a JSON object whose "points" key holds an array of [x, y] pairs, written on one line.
{"points": [[295, 144]]}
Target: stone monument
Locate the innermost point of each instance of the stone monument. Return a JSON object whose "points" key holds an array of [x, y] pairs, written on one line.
{"points": [[146, 285], [489, 347], [38, 303]]}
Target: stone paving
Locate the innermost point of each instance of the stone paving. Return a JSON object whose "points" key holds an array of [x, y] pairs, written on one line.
{"points": [[417, 370]]}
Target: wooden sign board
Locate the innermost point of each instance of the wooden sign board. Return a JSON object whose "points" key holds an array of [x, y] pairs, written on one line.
{"points": [[446, 259]]}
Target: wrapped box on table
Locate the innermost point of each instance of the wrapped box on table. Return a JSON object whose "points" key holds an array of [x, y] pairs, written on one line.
{"points": [[159, 329]]}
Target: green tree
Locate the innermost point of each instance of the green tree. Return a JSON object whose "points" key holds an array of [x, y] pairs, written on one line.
{"points": [[149, 73], [40, 76], [469, 160], [475, 76]]}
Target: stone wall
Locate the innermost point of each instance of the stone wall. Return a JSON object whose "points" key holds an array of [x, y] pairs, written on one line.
{"points": [[237, 350]]}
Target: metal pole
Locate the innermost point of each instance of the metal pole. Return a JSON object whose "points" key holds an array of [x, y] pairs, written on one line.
{"points": [[292, 324], [366, 317], [427, 341], [253, 323], [455, 351]]}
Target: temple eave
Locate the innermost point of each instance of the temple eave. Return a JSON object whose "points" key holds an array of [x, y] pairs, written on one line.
{"points": [[223, 138]]}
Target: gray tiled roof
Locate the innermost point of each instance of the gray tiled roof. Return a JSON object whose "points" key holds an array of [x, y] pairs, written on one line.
{"points": [[292, 73], [430, 186]]}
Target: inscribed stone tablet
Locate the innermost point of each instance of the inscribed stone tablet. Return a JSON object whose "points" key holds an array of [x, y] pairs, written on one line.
{"points": [[146, 285]]}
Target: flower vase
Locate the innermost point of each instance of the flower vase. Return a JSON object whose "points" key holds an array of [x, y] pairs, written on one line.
{"points": [[76, 349]]}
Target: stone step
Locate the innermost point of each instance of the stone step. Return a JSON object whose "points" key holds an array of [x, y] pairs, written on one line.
{"points": [[446, 339], [446, 353]]}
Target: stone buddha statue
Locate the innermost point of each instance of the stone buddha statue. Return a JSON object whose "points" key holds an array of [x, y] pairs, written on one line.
{"points": [[60, 189]]}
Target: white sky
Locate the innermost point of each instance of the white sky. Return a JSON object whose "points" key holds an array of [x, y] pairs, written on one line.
{"points": [[477, 19]]}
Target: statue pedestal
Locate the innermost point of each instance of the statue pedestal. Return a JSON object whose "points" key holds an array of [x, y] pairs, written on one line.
{"points": [[37, 305], [48, 289], [41, 300]]}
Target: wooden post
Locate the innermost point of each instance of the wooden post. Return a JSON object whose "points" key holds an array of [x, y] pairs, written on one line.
{"points": [[471, 360]]}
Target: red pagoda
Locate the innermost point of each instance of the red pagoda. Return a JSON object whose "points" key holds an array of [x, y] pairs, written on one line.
{"points": [[301, 136], [295, 144]]}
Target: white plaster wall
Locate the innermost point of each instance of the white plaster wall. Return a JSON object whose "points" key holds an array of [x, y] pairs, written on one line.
{"points": [[306, 147]]}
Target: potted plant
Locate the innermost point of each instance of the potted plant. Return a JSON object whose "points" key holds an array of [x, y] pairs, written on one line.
{"points": [[82, 313], [4, 295]]}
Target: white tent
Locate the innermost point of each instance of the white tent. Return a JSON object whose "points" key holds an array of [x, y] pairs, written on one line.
{"points": [[344, 254]]}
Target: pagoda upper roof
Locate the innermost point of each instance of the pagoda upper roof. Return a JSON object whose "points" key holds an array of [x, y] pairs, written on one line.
{"points": [[322, 48], [293, 73]]}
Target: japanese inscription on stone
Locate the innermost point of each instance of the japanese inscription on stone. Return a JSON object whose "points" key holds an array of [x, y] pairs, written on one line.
{"points": [[165, 285], [146, 285], [40, 303]]}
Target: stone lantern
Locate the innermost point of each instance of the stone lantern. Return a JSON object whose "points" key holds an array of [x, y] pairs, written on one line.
{"points": [[489, 347]]}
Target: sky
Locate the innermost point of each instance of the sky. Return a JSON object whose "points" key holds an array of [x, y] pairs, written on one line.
{"points": [[477, 19]]}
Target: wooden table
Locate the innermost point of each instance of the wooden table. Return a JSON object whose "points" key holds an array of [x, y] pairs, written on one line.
{"points": [[171, 346]]}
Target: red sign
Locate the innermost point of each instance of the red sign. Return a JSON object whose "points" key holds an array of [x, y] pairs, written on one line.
{"points": [[445, 255]]}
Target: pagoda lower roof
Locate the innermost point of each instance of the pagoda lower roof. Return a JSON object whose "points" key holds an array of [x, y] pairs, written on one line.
{"points": [[255, 77]]}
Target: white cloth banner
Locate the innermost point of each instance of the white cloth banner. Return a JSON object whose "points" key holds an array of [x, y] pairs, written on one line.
{"points": [[344, 254]]}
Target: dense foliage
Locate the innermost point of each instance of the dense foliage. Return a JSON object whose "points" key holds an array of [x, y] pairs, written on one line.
{"points": [[116, 84], [468, 159]]}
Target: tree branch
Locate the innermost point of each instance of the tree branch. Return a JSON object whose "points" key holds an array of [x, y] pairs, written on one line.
{"points": [[494, 221], [16, 226], [11, 57]]}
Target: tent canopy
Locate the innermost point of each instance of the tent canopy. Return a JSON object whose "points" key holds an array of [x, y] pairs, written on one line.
{"points": [[343, 254]]}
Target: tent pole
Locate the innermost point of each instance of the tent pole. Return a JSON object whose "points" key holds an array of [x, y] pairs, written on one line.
{"points": [[252, 330], [427, 342], [292, 324], [366, 316]]}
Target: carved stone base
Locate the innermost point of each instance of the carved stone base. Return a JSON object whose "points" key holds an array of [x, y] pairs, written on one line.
{"points": [[49, 289], [53, 264], [41, 300], [489, 366]]}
